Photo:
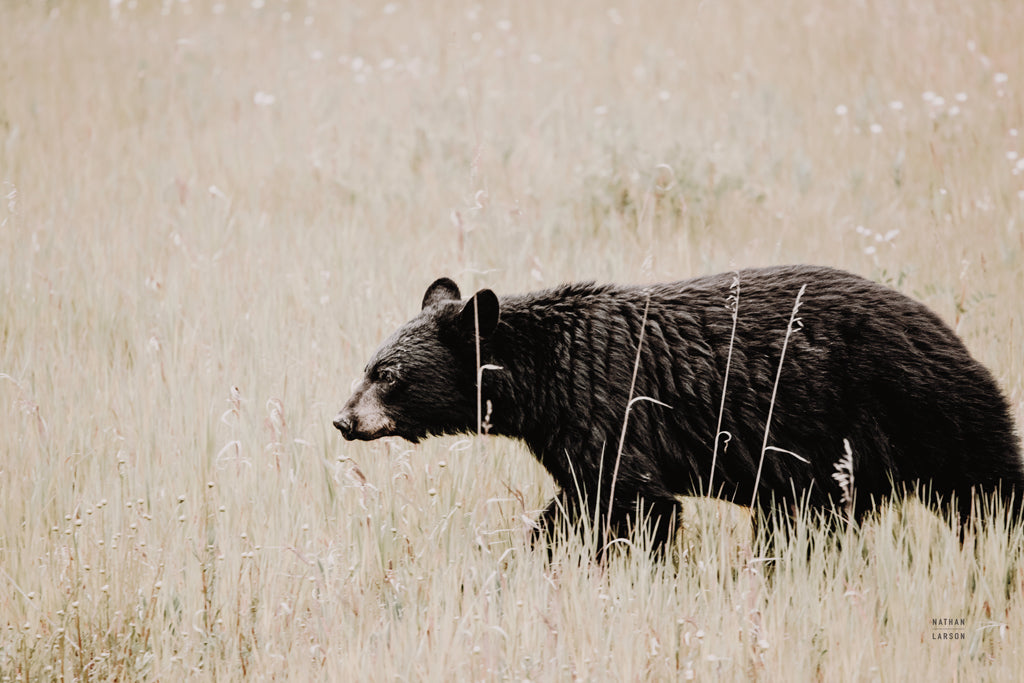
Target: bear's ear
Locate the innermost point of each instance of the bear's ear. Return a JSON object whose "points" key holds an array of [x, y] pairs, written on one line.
{"points": [[482, 308], [441, 290]]}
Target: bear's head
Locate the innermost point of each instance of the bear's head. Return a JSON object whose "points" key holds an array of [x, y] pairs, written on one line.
{"points": [[422, 379]]}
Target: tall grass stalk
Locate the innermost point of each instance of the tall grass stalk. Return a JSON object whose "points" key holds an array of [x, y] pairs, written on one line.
{"points": [[630, 400], [734, 308], [794, 324]]}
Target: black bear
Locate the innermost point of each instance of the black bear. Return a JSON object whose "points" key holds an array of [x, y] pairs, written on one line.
{"points": [[867, 376]]}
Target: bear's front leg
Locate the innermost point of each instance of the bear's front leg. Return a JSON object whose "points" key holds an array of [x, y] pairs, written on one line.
{"points": [[651, 520], [654, 519]]}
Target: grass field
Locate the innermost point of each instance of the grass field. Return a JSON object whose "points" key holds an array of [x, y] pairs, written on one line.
{"points": [[213, 212]]}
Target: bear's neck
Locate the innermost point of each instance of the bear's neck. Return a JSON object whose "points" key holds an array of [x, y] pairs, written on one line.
{"points": [[550, 391]]}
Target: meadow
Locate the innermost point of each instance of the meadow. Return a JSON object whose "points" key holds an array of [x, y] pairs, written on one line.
{"points": [[212, 213]]}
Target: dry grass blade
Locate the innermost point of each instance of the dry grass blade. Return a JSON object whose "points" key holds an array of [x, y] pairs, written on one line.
{"points": [[793, 325], [733, 302], [625, 417]]}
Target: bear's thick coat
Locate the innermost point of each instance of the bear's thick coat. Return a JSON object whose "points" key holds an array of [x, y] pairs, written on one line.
{"points": [[866, 364]]}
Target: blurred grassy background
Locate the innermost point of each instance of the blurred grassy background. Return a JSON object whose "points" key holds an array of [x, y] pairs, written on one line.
{"points": [[213, 212]]}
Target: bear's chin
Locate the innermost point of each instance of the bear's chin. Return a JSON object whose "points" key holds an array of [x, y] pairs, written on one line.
{"points": [[373, 436], [409, 435]]}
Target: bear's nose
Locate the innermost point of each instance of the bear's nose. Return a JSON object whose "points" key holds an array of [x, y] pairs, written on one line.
{"points": [[344, 425]]}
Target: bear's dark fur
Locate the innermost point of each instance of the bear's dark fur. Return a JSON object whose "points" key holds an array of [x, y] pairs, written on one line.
{"points": [[867, 365]]}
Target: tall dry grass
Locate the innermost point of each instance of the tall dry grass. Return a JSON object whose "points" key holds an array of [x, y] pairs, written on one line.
{"points": [[212, 212]]}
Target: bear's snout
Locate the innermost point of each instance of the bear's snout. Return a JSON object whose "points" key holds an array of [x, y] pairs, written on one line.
{"points": [[364, 417], [344, 424]]}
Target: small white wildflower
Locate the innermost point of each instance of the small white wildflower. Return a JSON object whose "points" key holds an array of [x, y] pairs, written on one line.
{"points": [[841, 110], [664, 95], [600, 110], [1011, 155], [869, 250], [1000, 77], [263, 99], [1013, 132], [504, 25], [875, 128], [928, 95], [896, 105], [960, 97], [953, 111], [891, 234]]}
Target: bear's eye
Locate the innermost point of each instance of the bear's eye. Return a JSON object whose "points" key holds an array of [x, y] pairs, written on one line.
{"points": [[387, 376]]}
